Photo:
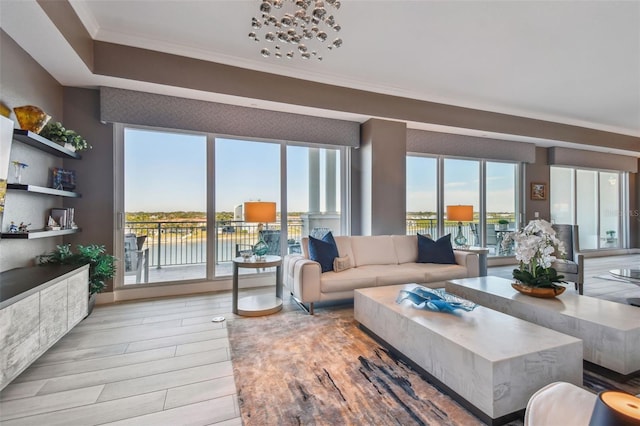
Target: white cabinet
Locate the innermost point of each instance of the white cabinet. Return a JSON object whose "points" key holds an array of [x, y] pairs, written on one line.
{"points": [[35, 315]]}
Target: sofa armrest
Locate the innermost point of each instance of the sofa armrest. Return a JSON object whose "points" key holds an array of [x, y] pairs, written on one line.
{"points": [[303, 278], [469, 260]]}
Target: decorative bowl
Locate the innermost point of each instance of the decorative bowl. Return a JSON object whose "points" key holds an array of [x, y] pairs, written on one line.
{"points": [[246, 254], [31, 118], [541, 292]]}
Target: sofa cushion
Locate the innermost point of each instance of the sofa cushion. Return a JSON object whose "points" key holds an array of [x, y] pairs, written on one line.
{"points": [[406, 248], [350, 279], [444, 272], [439, 251], [396, 274], [373, 250], [323, 251]]}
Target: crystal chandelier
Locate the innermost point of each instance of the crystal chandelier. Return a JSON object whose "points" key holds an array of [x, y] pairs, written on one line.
{"points": [[296, 26]]}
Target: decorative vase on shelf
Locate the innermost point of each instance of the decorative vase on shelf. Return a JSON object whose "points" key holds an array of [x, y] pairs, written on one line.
{"points": [[70, 147], [31, 118]]}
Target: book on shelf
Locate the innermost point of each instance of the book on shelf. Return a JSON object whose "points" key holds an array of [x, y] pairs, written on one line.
{"points": [[64, 217]]}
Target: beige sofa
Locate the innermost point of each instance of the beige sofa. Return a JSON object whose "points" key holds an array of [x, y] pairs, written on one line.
{"points": [[377, 260]]}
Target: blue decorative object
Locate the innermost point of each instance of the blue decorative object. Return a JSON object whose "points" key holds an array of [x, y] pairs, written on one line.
{"points": [[323, 251], [434, 300], [439, 251]]}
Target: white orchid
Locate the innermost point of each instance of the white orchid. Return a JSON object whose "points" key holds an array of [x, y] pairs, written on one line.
{"points": [[536, 249]]}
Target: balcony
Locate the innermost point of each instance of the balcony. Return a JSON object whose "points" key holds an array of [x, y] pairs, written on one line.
{"points": [[177, 250]]}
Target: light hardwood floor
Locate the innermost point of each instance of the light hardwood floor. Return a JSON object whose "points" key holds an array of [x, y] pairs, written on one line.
{"points": [[164, 362], [158, 362]]}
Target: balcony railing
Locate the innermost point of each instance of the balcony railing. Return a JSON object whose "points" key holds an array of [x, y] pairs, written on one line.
{"points": [[184, 242]]}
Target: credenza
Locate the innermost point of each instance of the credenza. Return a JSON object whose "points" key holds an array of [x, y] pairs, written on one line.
{"points": [[38, 305]]}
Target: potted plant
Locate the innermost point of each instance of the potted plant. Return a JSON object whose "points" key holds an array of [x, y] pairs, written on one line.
{"points": [[502, 225], [101, 265], [55, 132], [611, 236], [536, 250]]}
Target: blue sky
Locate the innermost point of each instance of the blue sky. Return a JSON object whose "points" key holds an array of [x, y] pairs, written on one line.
{"points": [[167, 172]]}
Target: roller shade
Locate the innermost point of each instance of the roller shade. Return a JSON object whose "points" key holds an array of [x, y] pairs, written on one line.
{"points": [[592, 160], [436, 143], [148, 109]]}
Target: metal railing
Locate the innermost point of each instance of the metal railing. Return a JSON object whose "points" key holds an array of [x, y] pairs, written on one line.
{"points": [[185, 242]]}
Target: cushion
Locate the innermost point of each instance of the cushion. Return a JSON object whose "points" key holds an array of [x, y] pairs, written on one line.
{"points": [[439, 251], [566, 266], [323, 251], [341, 263]]}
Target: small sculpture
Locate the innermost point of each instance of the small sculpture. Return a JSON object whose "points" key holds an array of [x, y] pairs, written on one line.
{"points": [[23, 227], [52, 225], [13, 229]]}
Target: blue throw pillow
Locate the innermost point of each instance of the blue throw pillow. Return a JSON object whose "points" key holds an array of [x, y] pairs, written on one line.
{"points": [[323, 251], [439, 251]]}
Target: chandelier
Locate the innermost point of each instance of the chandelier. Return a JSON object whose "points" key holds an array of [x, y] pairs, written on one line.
{"points": [[291, 27]]}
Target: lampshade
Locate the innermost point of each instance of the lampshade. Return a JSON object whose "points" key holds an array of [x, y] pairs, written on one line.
{"points": [[616, 408], [460, 213], [260, 211]]}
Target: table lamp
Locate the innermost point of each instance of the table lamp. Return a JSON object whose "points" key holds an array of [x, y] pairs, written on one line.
{"points": [[461, 214], [259, 212], [615, 408]]}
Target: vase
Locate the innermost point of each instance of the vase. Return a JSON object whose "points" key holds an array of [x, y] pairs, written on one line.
{"points": [[31, 118], [541, 292], [70, 147]]}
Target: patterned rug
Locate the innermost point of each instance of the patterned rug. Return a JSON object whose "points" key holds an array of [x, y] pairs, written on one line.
{"points": [[295, 369]]}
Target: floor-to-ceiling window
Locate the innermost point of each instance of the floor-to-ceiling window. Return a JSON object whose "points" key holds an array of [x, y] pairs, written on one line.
{"points": [[164, 206], [462, 187], [422, 195], [433, 183], [501, 204], [245, 171], [184, 197], [313, 193], [592, 200]]}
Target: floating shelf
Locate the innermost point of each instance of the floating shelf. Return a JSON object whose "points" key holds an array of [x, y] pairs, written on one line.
{"points": [[39, 233], [42, 190], [44, 144]]}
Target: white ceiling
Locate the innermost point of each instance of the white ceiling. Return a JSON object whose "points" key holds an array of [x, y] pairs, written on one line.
{"points": [[573, 62]]}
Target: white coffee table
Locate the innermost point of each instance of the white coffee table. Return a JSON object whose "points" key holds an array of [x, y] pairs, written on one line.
{"points": [[610, 331], [491, 363]]}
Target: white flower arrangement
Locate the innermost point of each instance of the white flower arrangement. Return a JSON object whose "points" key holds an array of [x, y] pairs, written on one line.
{"points": [[536, 248]]}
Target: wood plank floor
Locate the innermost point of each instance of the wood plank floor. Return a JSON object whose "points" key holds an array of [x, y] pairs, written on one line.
{"points": [[164, 362]]}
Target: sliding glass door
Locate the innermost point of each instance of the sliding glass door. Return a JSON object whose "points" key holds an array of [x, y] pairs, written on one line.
{"points": [[165, 215], [245, 171]]}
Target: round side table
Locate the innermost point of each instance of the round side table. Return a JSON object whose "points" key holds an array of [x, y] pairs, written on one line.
{"points": [[254, 306]]}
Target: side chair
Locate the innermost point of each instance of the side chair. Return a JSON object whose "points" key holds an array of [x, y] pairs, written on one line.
{"points": [[572, 265]]}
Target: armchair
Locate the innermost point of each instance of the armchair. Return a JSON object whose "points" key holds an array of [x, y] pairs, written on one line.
{"points": [[136, 259], [573, 266]]}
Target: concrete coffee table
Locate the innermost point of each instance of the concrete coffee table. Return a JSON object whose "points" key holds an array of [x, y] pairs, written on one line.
{"points": [[491, 363], [610, 331]]}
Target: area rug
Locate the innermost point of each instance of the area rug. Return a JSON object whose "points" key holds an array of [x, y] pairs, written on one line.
{"points": [[296, 369]]}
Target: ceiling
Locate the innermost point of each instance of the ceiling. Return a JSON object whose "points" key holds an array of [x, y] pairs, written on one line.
{"points": [[572, 62]]}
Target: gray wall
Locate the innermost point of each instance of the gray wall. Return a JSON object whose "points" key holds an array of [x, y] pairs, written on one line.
{"points": [[538, 172], [383, 172], [94, 212], [24, 82]]}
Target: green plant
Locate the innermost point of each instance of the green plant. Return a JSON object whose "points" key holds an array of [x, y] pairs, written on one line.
{"points": [[56, 132], [611, 234], [101, 264], [503, 222]]}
